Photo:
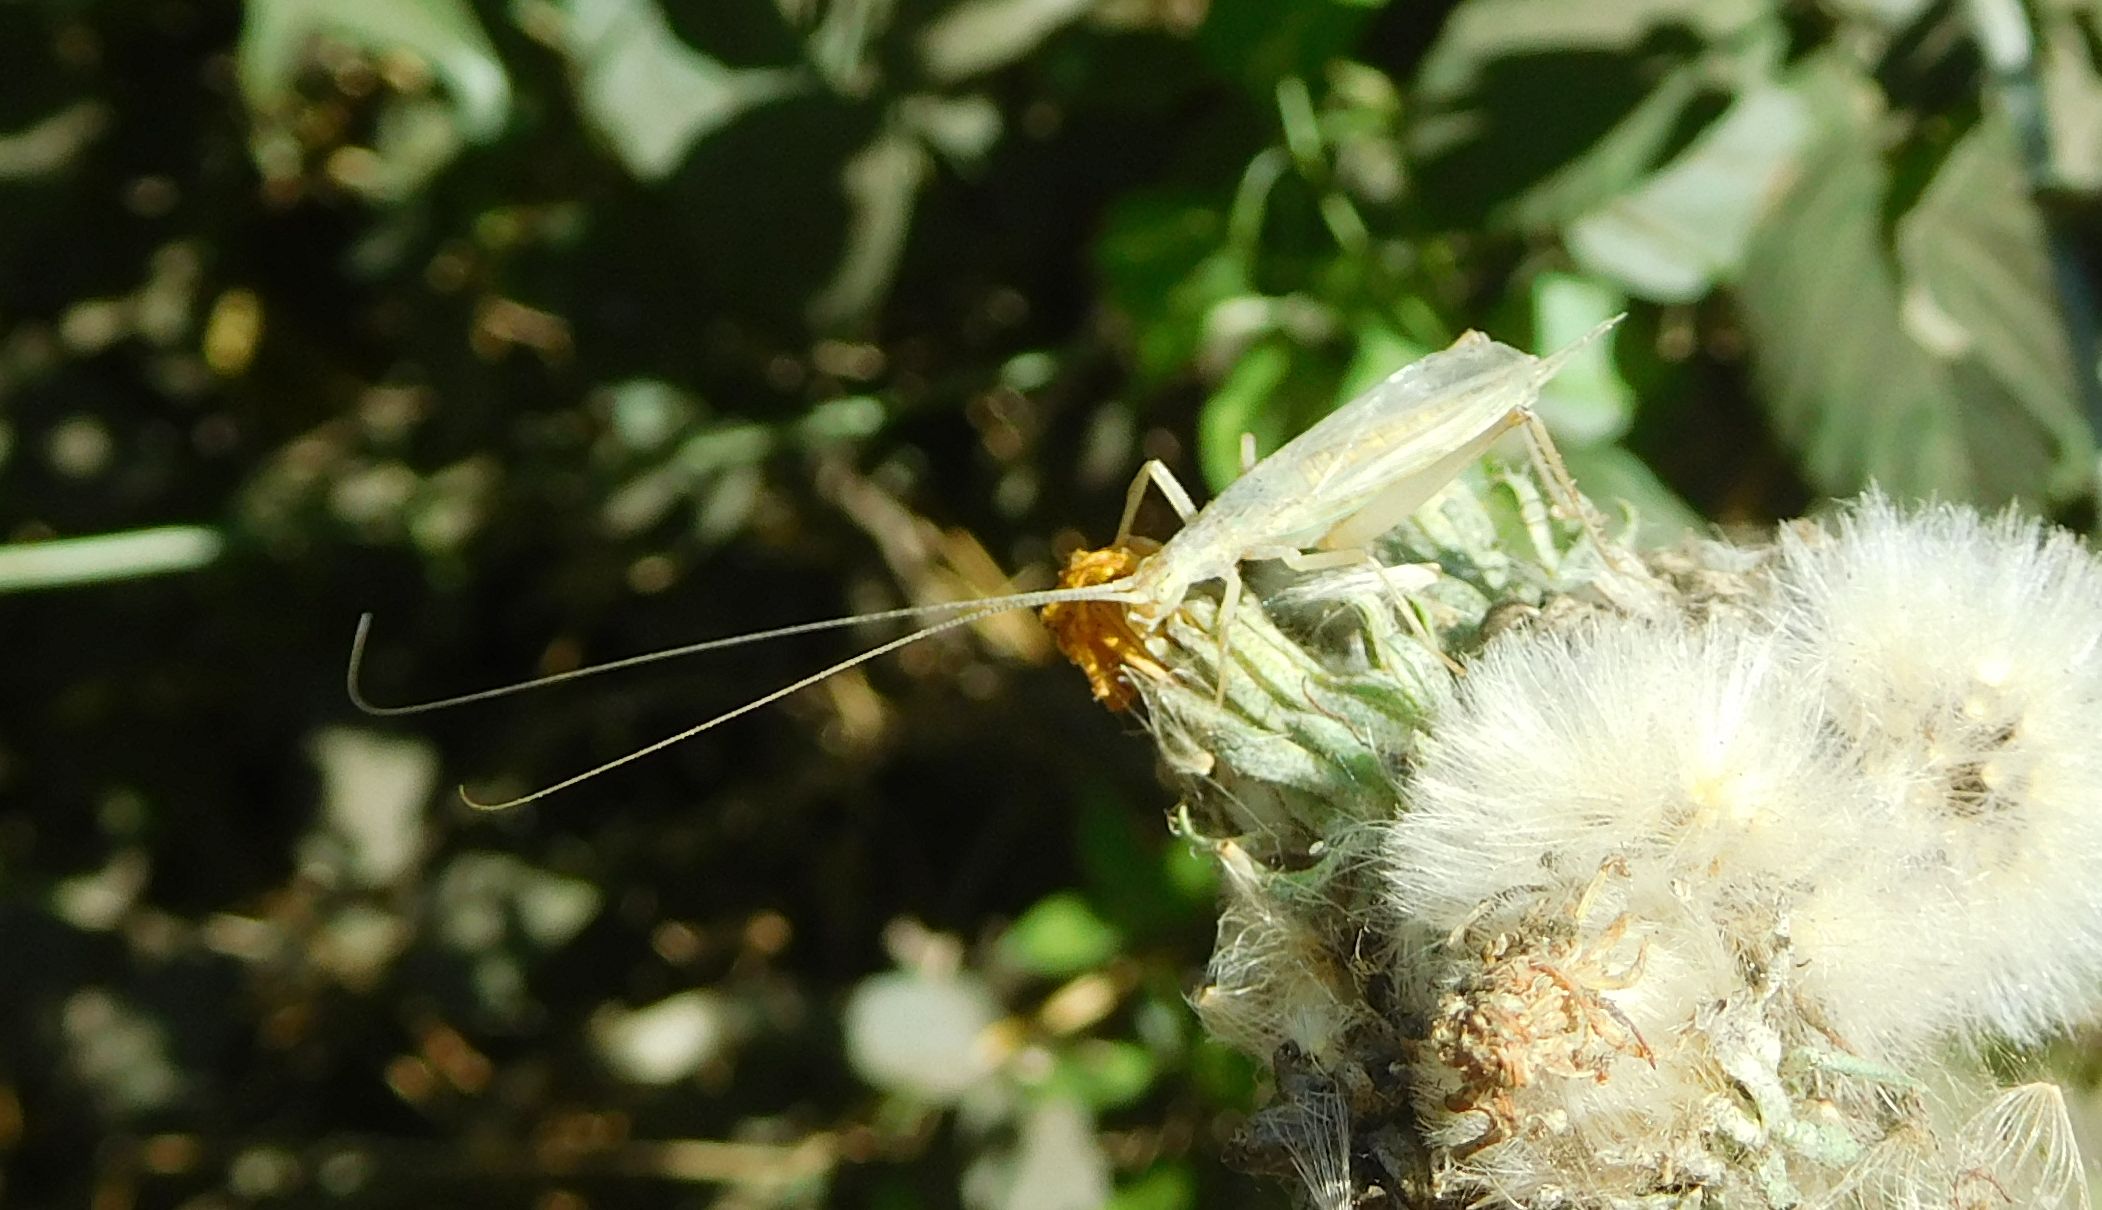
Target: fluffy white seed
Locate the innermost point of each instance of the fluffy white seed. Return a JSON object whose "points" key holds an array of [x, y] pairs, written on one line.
{"points": [[1963, 658], [1699, 756]]}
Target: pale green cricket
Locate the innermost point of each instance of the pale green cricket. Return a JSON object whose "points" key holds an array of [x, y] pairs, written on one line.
{"points": [[1317, 502]]}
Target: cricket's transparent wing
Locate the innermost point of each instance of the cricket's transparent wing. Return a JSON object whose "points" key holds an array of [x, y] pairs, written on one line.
{"points": [[1420, 417]]}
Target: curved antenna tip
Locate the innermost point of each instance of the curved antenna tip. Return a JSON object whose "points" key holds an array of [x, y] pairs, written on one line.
{"points": [[478, 804], [351, 673]]}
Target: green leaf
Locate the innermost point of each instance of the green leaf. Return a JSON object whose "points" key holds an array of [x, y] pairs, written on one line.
{"points": [[1535, 112], [1168, 1185], [1222, 1075], [1164, 268], [1380, 351], [444, 33], [1975, 253], [978, 36], [1686, 228], [1119, 856], [1192, 873], [1243, 404], [1944, 368], [1259, 42], [1060, 936], [650, 96], [1104, 1074], [1610, 476], [1588, 403]]}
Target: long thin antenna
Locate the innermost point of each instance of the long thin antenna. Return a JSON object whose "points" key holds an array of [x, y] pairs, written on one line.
{"points": [[1025, 600], [771, 698]]}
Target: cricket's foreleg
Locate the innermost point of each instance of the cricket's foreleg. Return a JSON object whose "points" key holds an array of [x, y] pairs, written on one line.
{"points": [[1156, 473]]}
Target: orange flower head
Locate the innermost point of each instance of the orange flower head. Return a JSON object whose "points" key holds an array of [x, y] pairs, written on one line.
{"points": [[1097, 635]]}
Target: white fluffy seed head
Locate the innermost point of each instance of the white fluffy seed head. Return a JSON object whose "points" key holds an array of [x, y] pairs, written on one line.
{"points": [[1564, 1043], [1697, 755], [1269, 980], [1962, 657], [2019, 1149]]}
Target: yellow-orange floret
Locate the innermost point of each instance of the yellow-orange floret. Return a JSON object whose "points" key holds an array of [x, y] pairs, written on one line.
{"points": [[1096, 635]]}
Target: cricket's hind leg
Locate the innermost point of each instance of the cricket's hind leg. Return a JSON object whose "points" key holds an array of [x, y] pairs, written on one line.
{"points": [[1336, 560], [1541, 444]]}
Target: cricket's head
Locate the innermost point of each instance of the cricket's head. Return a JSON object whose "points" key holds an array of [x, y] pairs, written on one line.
{"points": [[1106, 635]]}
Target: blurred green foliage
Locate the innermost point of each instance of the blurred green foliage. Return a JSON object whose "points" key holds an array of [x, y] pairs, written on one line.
{"points": [[558, 330]]}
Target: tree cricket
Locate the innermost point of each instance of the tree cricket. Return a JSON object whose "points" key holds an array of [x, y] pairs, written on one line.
{"points": [[1317, 502]]}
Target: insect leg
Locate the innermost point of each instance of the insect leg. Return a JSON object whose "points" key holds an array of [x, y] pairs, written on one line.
{"points": [[1156, 473], [1229, 603], [1556, 472], [1331, 560]]}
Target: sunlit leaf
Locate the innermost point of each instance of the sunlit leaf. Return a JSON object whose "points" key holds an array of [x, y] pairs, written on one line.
{"points": [[1057, 1163], [1618, 481], [1942, 367], [51, 143], [2072, 89], [963, 129], [444, 33], [1587, 403], [375, 788], [59, 562], [1685, 228], [1534, 112], [1061, 935], [650, 95], [663, 1042], [1889, 13], [881, 184], [978, 36]]}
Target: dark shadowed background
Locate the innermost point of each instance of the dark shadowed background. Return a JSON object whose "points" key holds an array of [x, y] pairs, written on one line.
{"points": [[553, 331]]}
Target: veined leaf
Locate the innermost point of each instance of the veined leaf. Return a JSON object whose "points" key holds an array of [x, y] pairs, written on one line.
{"points": [[1534, 112], [1975, 252], [1684, 229], [1940, 366]]}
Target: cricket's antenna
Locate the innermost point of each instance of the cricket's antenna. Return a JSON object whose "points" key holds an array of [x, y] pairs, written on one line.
{"points": [[988, 605], [769, 699]]}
